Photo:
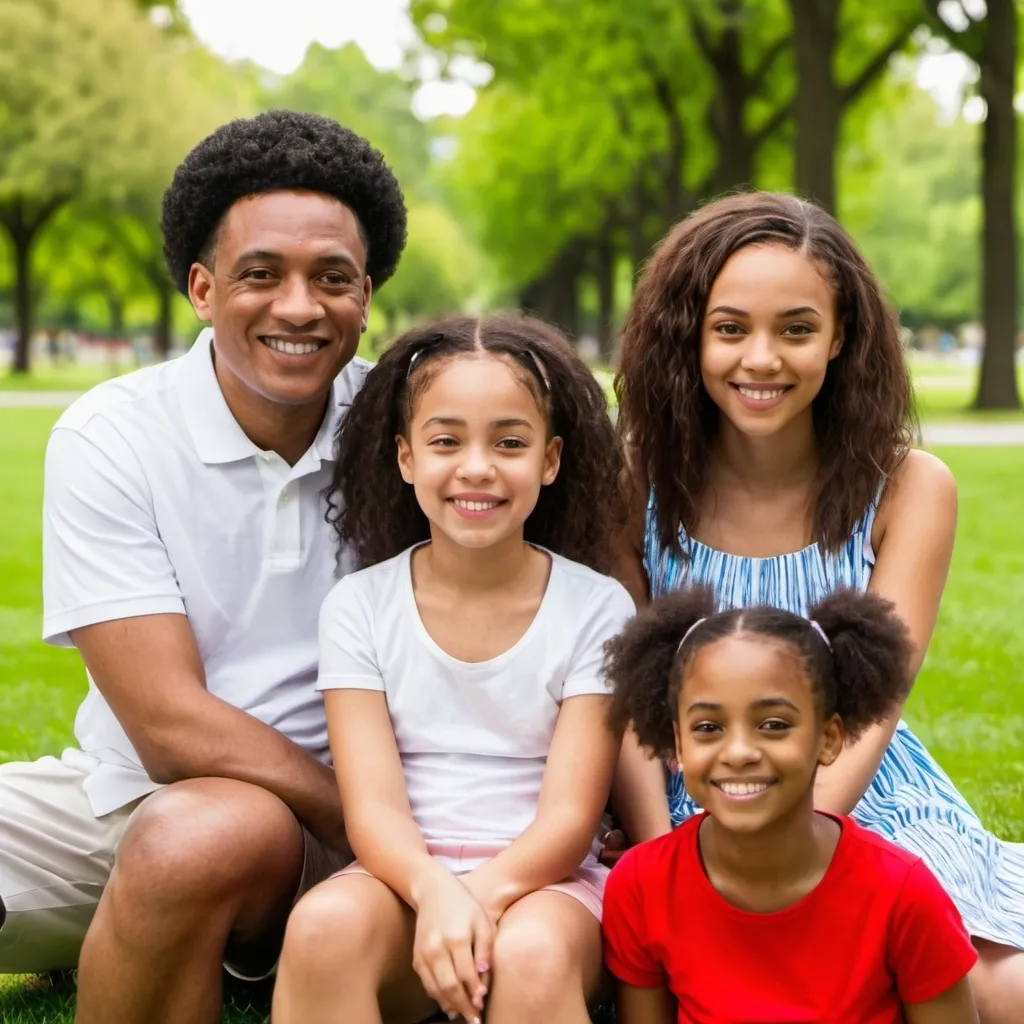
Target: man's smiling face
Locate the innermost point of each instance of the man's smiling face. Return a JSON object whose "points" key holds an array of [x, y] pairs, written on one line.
{"points": [[287, 293]]}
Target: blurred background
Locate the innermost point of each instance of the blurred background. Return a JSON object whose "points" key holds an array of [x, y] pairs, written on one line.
{"points": [[544, 146]]}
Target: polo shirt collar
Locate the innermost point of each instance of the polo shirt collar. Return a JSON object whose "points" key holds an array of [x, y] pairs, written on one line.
{"points": [[214, 430]]}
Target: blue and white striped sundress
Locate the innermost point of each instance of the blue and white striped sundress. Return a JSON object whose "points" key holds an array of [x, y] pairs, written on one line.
{"points": [[911, 800]]}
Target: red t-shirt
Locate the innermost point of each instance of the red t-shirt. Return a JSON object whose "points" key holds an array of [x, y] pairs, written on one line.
{"points": [[876, 932]]}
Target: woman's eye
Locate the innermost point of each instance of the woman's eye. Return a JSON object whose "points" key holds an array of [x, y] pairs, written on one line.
{"points": [[511, 442], [775, 725], [704, 727], [730, 330], [797, 331], [443, 442]]}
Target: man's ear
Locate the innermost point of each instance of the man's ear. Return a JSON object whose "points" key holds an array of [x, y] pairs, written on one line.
{"points": [[404, 458], [200, 289], [367, 299]]}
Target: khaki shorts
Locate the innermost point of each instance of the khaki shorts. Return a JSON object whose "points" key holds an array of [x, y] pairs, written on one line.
{"points": [[56, 857]]}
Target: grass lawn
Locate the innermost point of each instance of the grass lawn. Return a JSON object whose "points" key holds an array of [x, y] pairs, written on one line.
{"points": [[967, 705]]}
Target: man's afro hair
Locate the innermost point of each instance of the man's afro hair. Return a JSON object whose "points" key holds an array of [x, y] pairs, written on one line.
{"points": [[282, 149]]}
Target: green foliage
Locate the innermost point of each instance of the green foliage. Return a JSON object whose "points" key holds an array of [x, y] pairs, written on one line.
{"points": [[909, 195]]}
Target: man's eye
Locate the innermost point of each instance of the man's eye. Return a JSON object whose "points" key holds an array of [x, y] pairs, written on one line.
{"points": [[258, 274], [335, 280]]}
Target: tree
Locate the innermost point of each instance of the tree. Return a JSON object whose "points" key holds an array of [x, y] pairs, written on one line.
{"points": [[909, 196], [76, 82], [991, 41], [824, 33]]}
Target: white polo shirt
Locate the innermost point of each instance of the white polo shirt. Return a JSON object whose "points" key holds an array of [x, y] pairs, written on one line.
{"points": [[156, 502]]}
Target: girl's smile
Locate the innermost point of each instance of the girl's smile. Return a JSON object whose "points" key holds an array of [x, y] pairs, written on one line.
{"points": [[477, 450], [750, 735], [769, 334]]}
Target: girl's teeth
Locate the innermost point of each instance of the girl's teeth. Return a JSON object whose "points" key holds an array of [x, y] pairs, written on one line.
{"points": [[292, 348], [760, 395], [742, 788], [475, 506]]}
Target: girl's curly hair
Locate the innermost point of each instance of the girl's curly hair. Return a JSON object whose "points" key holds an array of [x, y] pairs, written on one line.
{"points": [[861, 672], [376, 512], [863, 415]]}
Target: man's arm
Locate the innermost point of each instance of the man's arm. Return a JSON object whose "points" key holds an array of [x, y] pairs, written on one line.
{"points": [[109, 584], [149, 670]]}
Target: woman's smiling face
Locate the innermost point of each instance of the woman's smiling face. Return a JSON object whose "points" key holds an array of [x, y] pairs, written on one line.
{"points": [[769, 333]]}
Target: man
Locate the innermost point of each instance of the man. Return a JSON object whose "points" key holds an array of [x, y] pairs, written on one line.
{"points": [[185, 555]]}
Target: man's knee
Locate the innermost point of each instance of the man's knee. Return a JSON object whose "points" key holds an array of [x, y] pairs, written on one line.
{"points": [[208, 840]]}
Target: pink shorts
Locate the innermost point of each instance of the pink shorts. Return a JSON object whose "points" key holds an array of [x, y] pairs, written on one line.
{"points": [[585, 884]]}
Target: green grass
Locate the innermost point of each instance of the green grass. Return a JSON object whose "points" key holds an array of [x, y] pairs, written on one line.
{"points": [[967, 704]]}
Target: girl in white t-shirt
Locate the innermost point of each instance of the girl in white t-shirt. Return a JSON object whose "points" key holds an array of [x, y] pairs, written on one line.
{"points": [[462, 676]]}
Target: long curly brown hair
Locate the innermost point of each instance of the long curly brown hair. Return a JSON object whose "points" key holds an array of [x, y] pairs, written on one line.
{"points": [[860, 672], [376, 512], [863, 415]]}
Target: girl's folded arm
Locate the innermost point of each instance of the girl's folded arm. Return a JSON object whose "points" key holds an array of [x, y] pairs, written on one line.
{"points": [[644, 1005], [573, 795], [375, 804]]}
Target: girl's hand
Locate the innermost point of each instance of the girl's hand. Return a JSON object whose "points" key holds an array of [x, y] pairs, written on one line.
{"points": [[452, 948]]}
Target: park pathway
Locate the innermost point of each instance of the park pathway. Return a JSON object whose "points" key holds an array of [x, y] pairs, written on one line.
{"points": [[933, 434]]}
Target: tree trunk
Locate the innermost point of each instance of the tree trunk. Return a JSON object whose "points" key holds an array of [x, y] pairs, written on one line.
{"points": [[604, 277], [997, 385], [22, 302], [818, 107], [165, 313], [735, 167], [23, 225], [553, 295]]}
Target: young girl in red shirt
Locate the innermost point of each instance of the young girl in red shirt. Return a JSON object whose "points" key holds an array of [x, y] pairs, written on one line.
{"points": [[760, 910]]}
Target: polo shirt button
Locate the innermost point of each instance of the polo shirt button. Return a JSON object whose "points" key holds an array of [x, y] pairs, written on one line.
{"points": [[265, 456], [283, 498]]}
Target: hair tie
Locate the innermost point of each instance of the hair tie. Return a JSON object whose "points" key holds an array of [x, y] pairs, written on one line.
{"points": [[816, 626], [686, 635]]}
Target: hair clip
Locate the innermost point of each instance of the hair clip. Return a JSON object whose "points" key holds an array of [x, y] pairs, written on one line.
{"points": [[817, 629], [428, 343], [686, 635], [539, 368]]}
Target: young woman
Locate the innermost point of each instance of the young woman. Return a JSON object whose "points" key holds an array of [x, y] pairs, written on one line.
{"points": [[761, 908], [464, 685], [766, 406]]}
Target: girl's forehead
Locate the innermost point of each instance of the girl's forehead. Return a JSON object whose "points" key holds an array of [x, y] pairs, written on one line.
{"points": [[774, 273], [739, 667], [478, 382]]}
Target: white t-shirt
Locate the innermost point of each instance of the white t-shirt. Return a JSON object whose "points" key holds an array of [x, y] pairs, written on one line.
{"points": [[473, 737], [156, 502]]}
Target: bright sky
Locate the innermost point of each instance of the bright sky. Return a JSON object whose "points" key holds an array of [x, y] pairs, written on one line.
{"points": [[276, 33]]}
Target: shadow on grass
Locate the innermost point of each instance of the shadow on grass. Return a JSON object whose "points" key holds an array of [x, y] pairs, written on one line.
{"points": [[50, 999]]}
